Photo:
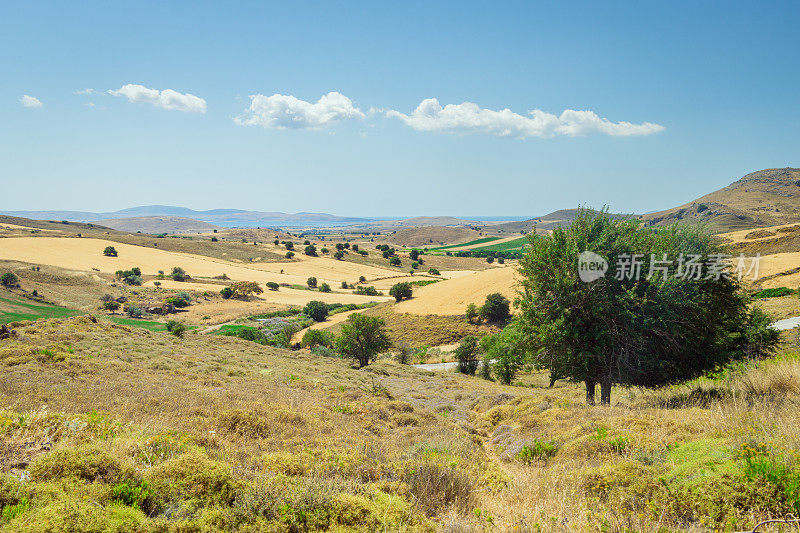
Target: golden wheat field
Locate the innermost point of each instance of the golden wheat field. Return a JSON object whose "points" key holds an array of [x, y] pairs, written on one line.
{"points": [[452, 296]]}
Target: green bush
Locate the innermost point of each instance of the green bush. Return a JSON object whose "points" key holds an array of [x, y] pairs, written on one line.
{"points": [[178, 274], [400, 291], [434, 271], [9, 279], [289, 255], [472, 312], [272, 285], [86, 463], [773, 293], [367, 291], [316, 310], [496, 308], [467, 355], [193, 476], [315, 337], [310, 250], [134, 312], [311, 282], [176, 301], [111, 306], [176, 328], [394, 261], [110, 251], [538, 450], [226, 292], [324, 288], [134, 494]]}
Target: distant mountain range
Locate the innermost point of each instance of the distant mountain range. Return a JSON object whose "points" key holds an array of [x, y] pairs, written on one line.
{"points": [[218, 217]]}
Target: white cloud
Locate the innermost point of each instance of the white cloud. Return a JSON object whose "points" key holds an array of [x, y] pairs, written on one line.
{"points": [[167, 99], [287, 112], [30, 101], [87, 91], [469, 118]]}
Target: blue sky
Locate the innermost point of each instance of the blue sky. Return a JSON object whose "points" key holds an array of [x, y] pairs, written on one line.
{"points": [[685, 98]]}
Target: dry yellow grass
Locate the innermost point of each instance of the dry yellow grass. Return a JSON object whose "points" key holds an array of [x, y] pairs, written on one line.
{"points": [[452, 296], [86, 255]]}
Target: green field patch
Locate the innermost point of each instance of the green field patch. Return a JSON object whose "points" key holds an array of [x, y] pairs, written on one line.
{"points": [[470, 243], [699, 459], [508, 246], [14, 310]]}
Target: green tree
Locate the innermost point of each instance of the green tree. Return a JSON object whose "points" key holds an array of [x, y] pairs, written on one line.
{"points": [[647, 330], [472, 312], [362, 338], [324, 287], [272, 285], [467, 355], [316, 310], [394, 261], [508, 351], [110, 251], [413, 254], [496, 308], [245, 289], [434, 271], [316, 337], [9, 279], [339, 255], [310, 250], [400, 291], [226, 292], [111, 305], [178, 274], [311, 282]]}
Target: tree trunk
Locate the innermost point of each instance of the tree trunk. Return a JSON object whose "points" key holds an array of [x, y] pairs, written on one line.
{"points": [[590, 385], [605, 392]]}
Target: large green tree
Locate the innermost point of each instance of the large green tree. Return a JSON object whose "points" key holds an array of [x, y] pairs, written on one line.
{"points": [[362, 338], [633, 329]]}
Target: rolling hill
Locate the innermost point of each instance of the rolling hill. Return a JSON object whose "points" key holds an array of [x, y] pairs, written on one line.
{"points": [[158, 224], [764, 198], [219, 217]]}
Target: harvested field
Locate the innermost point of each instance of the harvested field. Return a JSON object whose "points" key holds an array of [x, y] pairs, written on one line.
{"points": [[452, 296]]}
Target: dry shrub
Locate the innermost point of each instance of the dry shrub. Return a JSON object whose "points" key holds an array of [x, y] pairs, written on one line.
{"points": [[436, 487], [88, 463]]}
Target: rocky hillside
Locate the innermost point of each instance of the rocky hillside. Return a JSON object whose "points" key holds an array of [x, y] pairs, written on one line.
{"points": [[765, 198]]}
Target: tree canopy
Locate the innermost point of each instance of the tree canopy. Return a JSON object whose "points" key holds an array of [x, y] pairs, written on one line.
{"points": [[632, 329], [362, 338]]}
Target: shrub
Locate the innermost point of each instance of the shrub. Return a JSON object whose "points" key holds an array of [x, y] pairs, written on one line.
{"points": [[289, 255], [538, 450], [496, 308], [414, 266], [178, 274], [486, 367], [272, 285], [775, 292], [214, 239], [466, 355], [134, 312], [472, 312], [367, 291], [110, 251], [414, 254], [316, 310], [344, 284], [314, 337], [339, 255], [355, 247], [311, 282], [364, 253], [394, 261], [306, 242], [226, 292], [490, 259], [324, 250], [111, 306], [289, 245], [324, 288], [362, 338], [87, 463], [245, 289], [9, 279], [434, 271], [192, 475], [176, 301], [310, 250], [134, 494], [362, 279], [176, 328], [401, 291]]}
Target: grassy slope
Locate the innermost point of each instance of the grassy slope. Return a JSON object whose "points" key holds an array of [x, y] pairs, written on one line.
{"points": [[230, 435], [470, 243], [243, 437]]}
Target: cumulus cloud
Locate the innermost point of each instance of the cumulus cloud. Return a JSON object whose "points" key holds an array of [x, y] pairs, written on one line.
{"points": [[469, 118], [287, 112], [166, 99], [30, 101]]}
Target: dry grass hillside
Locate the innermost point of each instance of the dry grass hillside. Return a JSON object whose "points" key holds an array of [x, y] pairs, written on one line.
{"points": [[106, 428], [433, 236], [765, 198]]}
